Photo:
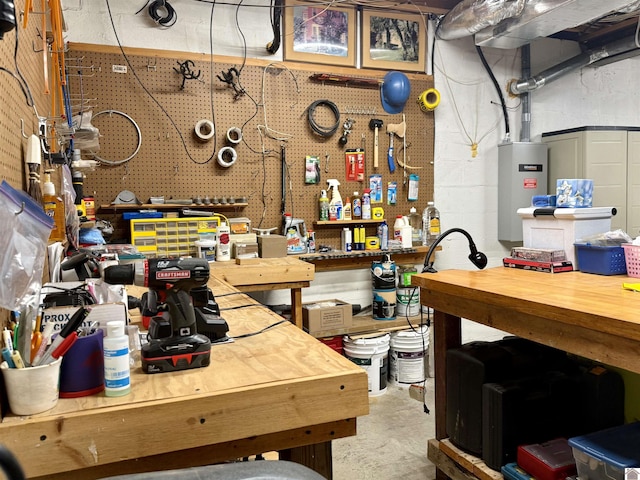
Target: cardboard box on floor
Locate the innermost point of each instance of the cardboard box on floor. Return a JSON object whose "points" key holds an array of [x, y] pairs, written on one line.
{"points": [[318, 318]]}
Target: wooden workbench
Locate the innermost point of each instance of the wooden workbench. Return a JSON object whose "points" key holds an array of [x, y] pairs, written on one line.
{"points": [[279, 390], [260, 274], [588, 315]]}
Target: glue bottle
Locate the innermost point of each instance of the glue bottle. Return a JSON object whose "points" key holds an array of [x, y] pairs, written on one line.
{"points": [[366, 204], [54, 207], [117, 377], [223, 247]]}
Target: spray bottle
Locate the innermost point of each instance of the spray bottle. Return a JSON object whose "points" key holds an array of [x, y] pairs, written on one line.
{"points": [[335, 204], [323, 205]]}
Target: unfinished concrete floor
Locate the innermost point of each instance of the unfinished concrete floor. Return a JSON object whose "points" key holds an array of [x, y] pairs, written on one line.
{"points": [[391, 442]]}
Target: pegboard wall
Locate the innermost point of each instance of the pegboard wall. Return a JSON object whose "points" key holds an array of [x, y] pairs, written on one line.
{"points": [[272, 114], [14, 104]]}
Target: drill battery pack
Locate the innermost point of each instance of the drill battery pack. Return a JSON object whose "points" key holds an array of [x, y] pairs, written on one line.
{"points": [[172, 354]]}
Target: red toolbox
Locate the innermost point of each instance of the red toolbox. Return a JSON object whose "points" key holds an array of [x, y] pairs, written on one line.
{"points": [[552, 460]]}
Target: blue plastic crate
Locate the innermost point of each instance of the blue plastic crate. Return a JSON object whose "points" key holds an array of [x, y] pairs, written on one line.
{"points": [[605, 455], [601, 260]]}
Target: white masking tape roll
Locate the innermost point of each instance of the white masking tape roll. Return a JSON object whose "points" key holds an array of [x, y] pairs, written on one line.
{"points": [[227, 156], [204, 130], [234, 135]]}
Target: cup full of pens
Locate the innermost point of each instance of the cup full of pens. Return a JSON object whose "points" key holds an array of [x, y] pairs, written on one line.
{"points": [[31, 373]]}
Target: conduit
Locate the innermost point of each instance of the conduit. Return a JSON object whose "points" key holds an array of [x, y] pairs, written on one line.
{"points": [[517, 87]]}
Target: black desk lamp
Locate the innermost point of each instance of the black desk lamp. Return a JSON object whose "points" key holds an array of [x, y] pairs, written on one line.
{"points": [[479, 259]]}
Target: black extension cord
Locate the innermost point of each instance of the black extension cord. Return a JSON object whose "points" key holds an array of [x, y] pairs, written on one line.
{"points": [[319, 129], [162, 13]]}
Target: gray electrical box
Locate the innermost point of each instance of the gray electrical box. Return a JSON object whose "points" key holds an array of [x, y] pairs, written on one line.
{"points": [[522, 173]]}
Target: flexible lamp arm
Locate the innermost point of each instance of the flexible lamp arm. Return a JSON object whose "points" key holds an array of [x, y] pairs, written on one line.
{"points": [[479, 259]]}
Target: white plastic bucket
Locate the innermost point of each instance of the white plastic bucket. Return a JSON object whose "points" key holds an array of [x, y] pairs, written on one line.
{"points": [[407, 352], [372, 354], [407, 301]]}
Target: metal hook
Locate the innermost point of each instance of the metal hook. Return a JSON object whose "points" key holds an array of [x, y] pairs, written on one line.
{"points": [[21, 209], [24, 135], [175, 169]]}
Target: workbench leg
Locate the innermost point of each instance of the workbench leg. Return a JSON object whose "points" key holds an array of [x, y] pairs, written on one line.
{"points": [[317, 457], [296, 306], [447, 334]]}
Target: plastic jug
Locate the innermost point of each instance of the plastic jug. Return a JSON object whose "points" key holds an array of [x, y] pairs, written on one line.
{"points": [[296, 233]]}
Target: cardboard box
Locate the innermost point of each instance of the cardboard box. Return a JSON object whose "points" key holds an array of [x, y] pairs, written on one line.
{"points": [[272, 246], [326, 315]]}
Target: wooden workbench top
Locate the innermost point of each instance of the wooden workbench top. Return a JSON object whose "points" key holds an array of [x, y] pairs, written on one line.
{"points": [[276, 381]]}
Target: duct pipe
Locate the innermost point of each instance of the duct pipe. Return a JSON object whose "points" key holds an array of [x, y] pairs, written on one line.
{"points": [[525, 127], [470, 16], [518, 87]]}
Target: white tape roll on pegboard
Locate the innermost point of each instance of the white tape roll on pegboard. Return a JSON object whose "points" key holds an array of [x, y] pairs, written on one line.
{"points": [[234, 135], [227, 152], [204, 130], [429, 100]]}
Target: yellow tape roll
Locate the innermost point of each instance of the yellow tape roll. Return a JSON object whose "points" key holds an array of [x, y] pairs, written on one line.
{"points": [[429, 100]]}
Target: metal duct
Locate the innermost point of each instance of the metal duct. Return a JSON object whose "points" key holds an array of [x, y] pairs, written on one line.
{"points": [[513, 23], [471, 16], [518, 87]]}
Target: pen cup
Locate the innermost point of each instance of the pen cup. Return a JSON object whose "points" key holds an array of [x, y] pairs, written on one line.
{"points": [[32, 390], [82, 370]]}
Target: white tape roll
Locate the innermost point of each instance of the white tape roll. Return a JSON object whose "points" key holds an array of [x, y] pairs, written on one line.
{"points": [[234, 135], [223, 156], [204, 130]]}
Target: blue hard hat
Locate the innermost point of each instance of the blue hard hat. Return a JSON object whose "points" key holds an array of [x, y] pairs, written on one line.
{"points": [[394, 92]]}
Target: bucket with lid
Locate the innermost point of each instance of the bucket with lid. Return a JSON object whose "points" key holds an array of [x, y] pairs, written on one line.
{"points": [[407, 296], [407, 352], [372, 354]]}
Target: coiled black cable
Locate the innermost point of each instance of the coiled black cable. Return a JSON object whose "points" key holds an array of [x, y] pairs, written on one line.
{"points": [[318, 129], [162, 13]]}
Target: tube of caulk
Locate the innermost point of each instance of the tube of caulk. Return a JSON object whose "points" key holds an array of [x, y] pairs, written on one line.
{"points": [[6, 338]]}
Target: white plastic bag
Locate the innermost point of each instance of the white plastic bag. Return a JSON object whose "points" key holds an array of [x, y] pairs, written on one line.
{"points": [[23, 246]]}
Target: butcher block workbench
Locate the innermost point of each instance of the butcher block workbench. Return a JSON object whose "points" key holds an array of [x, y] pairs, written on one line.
{"points": [[584, 314], [278, 390]]}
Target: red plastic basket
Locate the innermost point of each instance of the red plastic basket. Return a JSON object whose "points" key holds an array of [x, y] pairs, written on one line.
{"points": [[632, 258]]}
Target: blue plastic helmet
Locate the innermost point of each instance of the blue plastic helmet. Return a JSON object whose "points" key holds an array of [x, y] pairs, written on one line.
{"points": [[394, 92]]}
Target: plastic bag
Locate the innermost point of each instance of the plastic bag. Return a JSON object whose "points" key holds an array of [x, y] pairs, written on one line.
{"points": [[23, 246], [607, 239]]}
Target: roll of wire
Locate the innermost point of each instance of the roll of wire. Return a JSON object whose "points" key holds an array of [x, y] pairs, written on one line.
{"points": [[429, 100], [319, 129], [162, 13]]}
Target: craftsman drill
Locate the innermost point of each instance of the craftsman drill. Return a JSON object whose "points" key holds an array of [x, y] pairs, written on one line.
{"points": [[172, 280]]}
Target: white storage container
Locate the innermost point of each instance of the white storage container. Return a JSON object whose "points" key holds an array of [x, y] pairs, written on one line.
{"points": [[560, 228]]}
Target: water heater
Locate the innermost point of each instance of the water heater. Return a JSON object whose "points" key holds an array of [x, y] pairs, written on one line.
{"points": [[522, 173]]}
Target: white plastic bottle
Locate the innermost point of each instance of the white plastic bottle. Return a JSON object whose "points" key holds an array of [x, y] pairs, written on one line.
{"points": [[430, 224], [366, 204], [397, 228], [223, 247], [117, 377], [416, 227]]}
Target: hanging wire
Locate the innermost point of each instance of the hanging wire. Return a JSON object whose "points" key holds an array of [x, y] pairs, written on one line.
{"points": [[135, 74]]}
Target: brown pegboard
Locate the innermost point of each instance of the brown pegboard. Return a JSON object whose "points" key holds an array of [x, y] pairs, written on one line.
{"points": [[14, 105], [275, 96]]}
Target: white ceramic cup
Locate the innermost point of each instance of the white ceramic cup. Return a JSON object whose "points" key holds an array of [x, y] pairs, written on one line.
{"points": [[32, 390]]}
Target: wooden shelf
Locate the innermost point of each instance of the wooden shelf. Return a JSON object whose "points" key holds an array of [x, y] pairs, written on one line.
{"points": [[168, 206], [331, 261], [364, 324], [341, 223]]}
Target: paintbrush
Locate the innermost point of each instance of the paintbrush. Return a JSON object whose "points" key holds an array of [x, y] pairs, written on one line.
{"points": [[32, 160]]}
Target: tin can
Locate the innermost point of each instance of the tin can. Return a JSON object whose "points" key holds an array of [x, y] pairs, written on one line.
{"points": [[311, 241]]}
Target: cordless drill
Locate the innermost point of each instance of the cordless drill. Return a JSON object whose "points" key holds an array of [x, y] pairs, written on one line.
{"points": [[172, 280]]}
